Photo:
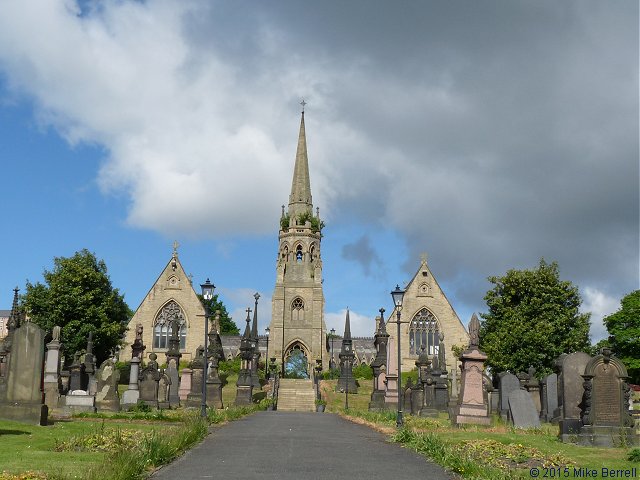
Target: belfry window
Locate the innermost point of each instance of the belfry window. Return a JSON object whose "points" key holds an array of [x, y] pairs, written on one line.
{"points": [[299, 253], [424, 331], [297, 310], [162, 326]]}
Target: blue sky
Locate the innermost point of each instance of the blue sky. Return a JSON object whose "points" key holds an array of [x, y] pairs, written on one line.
{"points": [[487, 136]]}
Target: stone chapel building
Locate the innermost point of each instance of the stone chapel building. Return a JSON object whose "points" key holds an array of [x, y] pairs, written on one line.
{"points": [[172, 295]]}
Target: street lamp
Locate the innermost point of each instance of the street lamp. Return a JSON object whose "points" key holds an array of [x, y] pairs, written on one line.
{"points": [[207, 294], [397, 296], [266, 355], [331, 362]]}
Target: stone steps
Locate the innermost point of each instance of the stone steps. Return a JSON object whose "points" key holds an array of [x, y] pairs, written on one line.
{"points": [[296, 395]]}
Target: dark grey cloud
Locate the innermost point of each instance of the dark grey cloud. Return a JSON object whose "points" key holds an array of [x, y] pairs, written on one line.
{"points": [[363, 253]]}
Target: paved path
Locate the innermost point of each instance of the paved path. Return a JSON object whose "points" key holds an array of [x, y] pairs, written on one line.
{"points": [[303, 446]]}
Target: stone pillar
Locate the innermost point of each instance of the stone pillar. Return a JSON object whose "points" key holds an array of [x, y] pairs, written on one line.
{"points": [[244, 385], [52, 382], [194, 398], [472, 406], [214, 384], [132, 394], [391, 377]]}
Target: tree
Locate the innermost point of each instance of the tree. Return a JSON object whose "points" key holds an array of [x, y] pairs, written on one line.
{"points": [[227, 325], [533, 318], [78, 296], [624, 334]]}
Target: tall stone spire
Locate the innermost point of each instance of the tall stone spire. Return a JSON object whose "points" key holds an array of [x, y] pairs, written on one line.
{"points": [[300, 198]]}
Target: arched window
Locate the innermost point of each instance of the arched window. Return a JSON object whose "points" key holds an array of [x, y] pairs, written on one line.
{"points": [[312, 252], [297, 310], [423, 331], [162, 326], [299, 253]]}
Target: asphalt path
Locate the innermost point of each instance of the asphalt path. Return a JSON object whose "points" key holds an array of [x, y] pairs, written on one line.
{"points": [[303, 446]]}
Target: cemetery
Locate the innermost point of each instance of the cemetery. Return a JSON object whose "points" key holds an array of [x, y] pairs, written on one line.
{"points": [[423, 378]]}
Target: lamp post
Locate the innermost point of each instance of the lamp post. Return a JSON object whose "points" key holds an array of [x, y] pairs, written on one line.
{"points": [[207, 294], [331, 362], [266, 355], [397, 296]]}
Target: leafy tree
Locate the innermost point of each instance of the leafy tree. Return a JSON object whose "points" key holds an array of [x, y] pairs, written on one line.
{"points": [[624, 334], [533, 318], [227, 325], [78, 296]]}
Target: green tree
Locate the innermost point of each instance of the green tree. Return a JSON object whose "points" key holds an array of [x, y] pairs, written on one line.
{"points": [[533, 317], [624, 334], [227, 325], [78, 296]]}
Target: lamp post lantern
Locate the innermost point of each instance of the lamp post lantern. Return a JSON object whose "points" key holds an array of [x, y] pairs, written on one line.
{"points": [[207, 294], [397, 296], [266, 355], [331, 362]]}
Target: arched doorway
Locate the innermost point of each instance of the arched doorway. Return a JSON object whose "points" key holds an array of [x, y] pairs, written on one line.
{"points": [[296, 363]]}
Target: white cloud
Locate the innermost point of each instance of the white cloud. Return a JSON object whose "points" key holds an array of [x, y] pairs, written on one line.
{"points": [[238, 300], [600, 305], [361, 325]]}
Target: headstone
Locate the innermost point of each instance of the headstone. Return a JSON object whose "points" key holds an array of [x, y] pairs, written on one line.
{"points": [[76, 370], [185, 384], [522, 410], [573, 366], [472, 406], [508, 383], [172, 372], [194, 397], [532, 385], [24, 397], [379, 364], [79, 401], [107, 398], [244, 385], [149, 378], [551, 396], [347, 381], [407, 396], [556, 416], [605, 413], [163, 391]]}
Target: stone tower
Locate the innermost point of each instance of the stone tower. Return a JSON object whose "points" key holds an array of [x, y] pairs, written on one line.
{"points": [[297, 320]]}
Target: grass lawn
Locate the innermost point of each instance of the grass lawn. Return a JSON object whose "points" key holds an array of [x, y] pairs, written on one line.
{"points": [[499, 450], [32, 448]]}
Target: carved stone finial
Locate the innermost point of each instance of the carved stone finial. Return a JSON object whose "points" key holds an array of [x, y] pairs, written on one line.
{"points": [[56, 333], [474, 332], [303, 103]]}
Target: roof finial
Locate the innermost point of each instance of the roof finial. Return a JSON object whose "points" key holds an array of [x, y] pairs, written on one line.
{"points": [[175, 248], [303, 103]]}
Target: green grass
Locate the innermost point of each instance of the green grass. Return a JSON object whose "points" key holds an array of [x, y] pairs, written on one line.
{"points": [[480, 452], [68, 450]]}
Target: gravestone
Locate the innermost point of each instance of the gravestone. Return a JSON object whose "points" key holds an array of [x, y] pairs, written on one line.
{"points": [[107, 398], [76, 370], [472, 406], [508, 383], [185, 384], [532, 385], [550, 397], [556, 416], [149, 378], [172, 372], [407, 396], [24, 396], [379, 364], [573, 366], [522, 410], [605, 413], [164, 384]]}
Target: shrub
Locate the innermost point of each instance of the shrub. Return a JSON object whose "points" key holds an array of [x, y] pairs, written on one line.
{"points": [[634, 455], [363, 371]]}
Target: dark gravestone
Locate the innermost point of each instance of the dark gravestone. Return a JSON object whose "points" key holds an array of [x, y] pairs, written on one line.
{"points": [[550, 383], [149, 378], [605, 405], [24, 396], [522, 410], [573, 366], [508, 383], [163, 390]]}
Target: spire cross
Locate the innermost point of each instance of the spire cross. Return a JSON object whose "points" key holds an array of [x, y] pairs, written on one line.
{"points": [[303, 103], [248, 312]]}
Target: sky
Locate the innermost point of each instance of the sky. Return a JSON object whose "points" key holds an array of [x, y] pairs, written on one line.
{"points": [[487, 135]]}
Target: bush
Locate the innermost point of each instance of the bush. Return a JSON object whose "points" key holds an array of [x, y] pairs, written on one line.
{"points": [[125, 372], [331, 374], [363, 371], [230, 366], [634, 455]]}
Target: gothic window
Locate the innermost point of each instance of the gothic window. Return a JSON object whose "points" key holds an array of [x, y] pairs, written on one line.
{"points": [[285, 253], [424, 331], [299, 253], [297, 310], [312, 252], [162, 326]]}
